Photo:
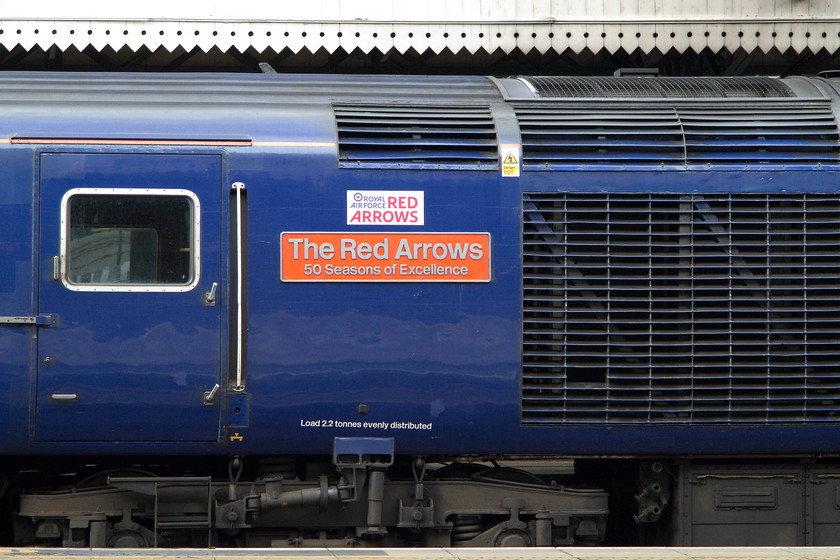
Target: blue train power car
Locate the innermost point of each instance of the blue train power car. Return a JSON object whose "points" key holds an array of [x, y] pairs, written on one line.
{"points": [[302, 310]]}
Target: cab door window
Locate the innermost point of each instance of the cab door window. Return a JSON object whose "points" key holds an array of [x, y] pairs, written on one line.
{"points": [[130, 239]]}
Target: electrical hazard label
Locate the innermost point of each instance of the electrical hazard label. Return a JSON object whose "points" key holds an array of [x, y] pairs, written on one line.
{"points": [[384, 257], [510, 161]]}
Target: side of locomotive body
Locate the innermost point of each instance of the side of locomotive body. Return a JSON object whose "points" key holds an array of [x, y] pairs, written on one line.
{"points": [[304, 310]]}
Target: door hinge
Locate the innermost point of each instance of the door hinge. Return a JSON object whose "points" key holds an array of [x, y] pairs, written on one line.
{"points": [[47, 320]]}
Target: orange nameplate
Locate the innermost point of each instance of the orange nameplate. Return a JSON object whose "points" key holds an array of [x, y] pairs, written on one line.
{"points": [[384, 257]]}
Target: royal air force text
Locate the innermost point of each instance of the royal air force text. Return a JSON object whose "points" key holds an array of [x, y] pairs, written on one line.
{"points": [[384, 210]]}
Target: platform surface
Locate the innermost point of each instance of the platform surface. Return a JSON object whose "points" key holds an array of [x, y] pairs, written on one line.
{"points": [[612, 553]]}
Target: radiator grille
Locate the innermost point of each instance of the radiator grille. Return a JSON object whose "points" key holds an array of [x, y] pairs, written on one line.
{"points": [[642, 87], [581, 137], [697, 137], [689, 309], [416, 137], [801, 134]]}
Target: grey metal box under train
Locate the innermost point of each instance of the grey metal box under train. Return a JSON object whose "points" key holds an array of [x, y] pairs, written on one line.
{"points": [[759, 505]]}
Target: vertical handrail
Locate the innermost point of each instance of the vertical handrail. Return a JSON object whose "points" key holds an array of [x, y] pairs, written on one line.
{"points": [[238, 188]]}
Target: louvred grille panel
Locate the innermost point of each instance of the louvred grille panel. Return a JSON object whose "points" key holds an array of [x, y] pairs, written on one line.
{"points": [[416, 137], [650, 87], [687, 309], [796, 136], [580, 138], [698, 137]]}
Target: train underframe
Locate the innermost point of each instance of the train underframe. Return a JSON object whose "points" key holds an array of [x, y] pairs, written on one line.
{"points": [[382, 501], [366, 501]]}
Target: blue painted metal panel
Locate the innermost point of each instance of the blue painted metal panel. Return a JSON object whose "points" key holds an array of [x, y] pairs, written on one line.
{"points": [[138, 362], [436, 366], [17, 203], [439, 364], [431, 361]]}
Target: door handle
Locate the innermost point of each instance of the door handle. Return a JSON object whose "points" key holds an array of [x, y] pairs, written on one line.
{"points": [[210, 297], [64, 397], [210, 396]]}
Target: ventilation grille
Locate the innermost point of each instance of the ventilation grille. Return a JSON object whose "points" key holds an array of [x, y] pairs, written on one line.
{"points": [[563, 138], [624, 87], [416, 137], [791, 136], [685, 309]]}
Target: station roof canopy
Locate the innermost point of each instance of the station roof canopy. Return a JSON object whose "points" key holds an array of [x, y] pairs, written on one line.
{"points": [[419, 28]]}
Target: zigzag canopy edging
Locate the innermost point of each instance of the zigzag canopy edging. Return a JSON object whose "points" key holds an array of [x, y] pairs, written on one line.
{"points": [[797, 34]]}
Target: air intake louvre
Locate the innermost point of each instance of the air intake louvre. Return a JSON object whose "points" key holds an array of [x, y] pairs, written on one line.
{"points": [[578, 138], [624, 87], [416, 137], [681, 309], [792, 135]]}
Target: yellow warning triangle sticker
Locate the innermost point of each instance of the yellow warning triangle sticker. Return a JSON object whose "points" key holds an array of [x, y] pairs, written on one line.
{"points": [[510, 161]]}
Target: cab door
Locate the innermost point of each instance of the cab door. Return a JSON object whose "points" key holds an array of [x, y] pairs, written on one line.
{"points": [[130, 270]]}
